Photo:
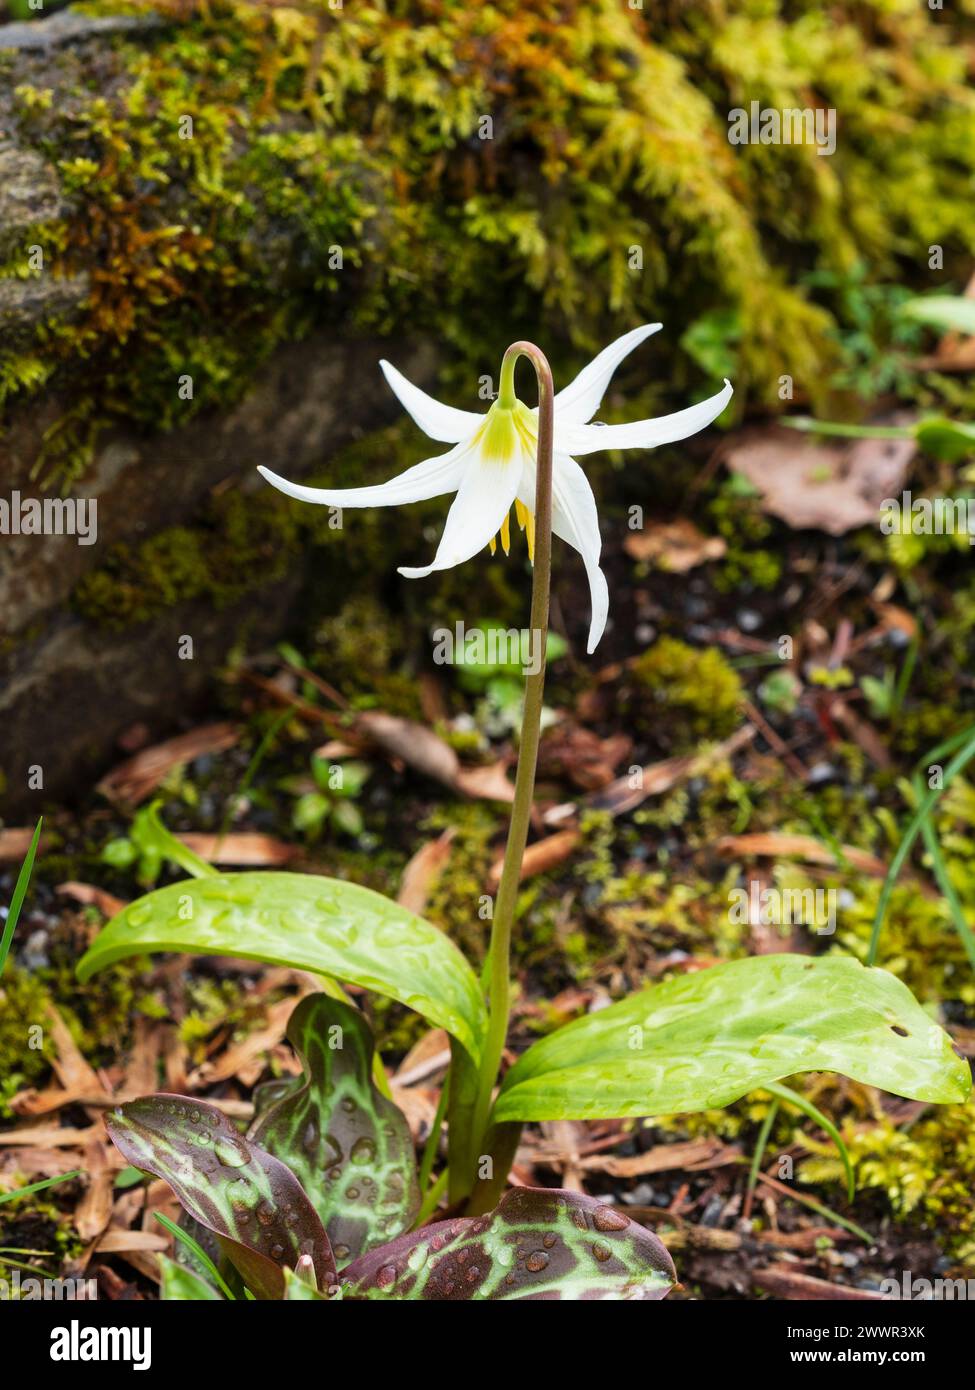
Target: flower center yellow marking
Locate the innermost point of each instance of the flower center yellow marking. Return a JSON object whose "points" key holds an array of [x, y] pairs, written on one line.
{"points": [[503, 428]]}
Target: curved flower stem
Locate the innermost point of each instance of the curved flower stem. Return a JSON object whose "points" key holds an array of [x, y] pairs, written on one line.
{"points": [[504, 907]]}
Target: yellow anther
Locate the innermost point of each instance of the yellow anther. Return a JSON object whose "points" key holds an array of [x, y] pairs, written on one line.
{"points": [[526, 521]]}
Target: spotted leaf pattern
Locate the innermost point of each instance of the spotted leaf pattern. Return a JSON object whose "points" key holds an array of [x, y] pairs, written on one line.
{"points": [[537, 1244], [349, 1147], [252, 1203], [700, 1041], [308, 922]]}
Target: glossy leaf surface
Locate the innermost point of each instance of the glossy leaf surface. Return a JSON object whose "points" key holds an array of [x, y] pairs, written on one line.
{"points": [[310, 923], [348, 1146], [538, 1243], [252, 1203], [703, 1040]]}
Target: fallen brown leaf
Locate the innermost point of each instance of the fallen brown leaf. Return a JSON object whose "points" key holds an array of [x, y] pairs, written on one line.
{"points": [[806, 482], [422, 872], [570, 750], [486, 783], [89, 895], [786, 1282], [70, 1067], [250, 1049], [135, 779], [15, 843], [115, 1241], [424, 1059], [691, 1156], [45, 1137], [802, 847], [93, 1212], [246, 847], [420, 748], [539, 857], [675, 546], [632, 789]]}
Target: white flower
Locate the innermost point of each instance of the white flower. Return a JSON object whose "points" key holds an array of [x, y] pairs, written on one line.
{"points": [[492, 465]]}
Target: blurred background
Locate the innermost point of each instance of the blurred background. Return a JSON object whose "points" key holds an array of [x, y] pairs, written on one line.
{"points": [[215, 218]]}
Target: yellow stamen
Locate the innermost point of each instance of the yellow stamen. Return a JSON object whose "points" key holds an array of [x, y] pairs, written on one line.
{"points": [[506, 534], [493, 544], [526, 521]]}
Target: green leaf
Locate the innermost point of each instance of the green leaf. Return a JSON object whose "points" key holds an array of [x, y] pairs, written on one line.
{"points": [[348, 1146], [352, 776], [20, 892], [298, 1290], [268, 1093], [310, 923], [947, 312], [251, 1202], [347, 817], [120, 853], [310, 812], [155, 842], [703, 1040], [538, 1243], [180, 1284], [946, 439]]}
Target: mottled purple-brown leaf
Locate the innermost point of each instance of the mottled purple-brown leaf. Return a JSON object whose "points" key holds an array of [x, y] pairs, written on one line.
{"points": [[252, 1203], [348, 1146], [538, 1243]]}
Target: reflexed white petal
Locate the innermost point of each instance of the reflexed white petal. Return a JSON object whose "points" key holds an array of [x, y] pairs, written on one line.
{"points": [[579, 401], [483, 501], [641, 434], [427, 479], [575, 521], [443, 422]]}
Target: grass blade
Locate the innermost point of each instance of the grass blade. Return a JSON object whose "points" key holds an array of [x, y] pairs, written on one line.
{"points": [[790, 1097], [20, 892], [957, 764], [37, 1186], [184, 1236]]}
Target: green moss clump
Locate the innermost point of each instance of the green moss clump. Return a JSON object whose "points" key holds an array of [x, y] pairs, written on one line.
{"points": [[678, 694], [361, 650], [23, 1002], [926, 1171], [422, 162], [241, 543], [457, 898]]}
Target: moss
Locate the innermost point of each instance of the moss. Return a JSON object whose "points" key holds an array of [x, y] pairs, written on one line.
{"points": [[240, 543], [369, 136], [361, 649], [23, 1002], [679, 695], [739, 519], [925, 1171], [457, 897]]}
